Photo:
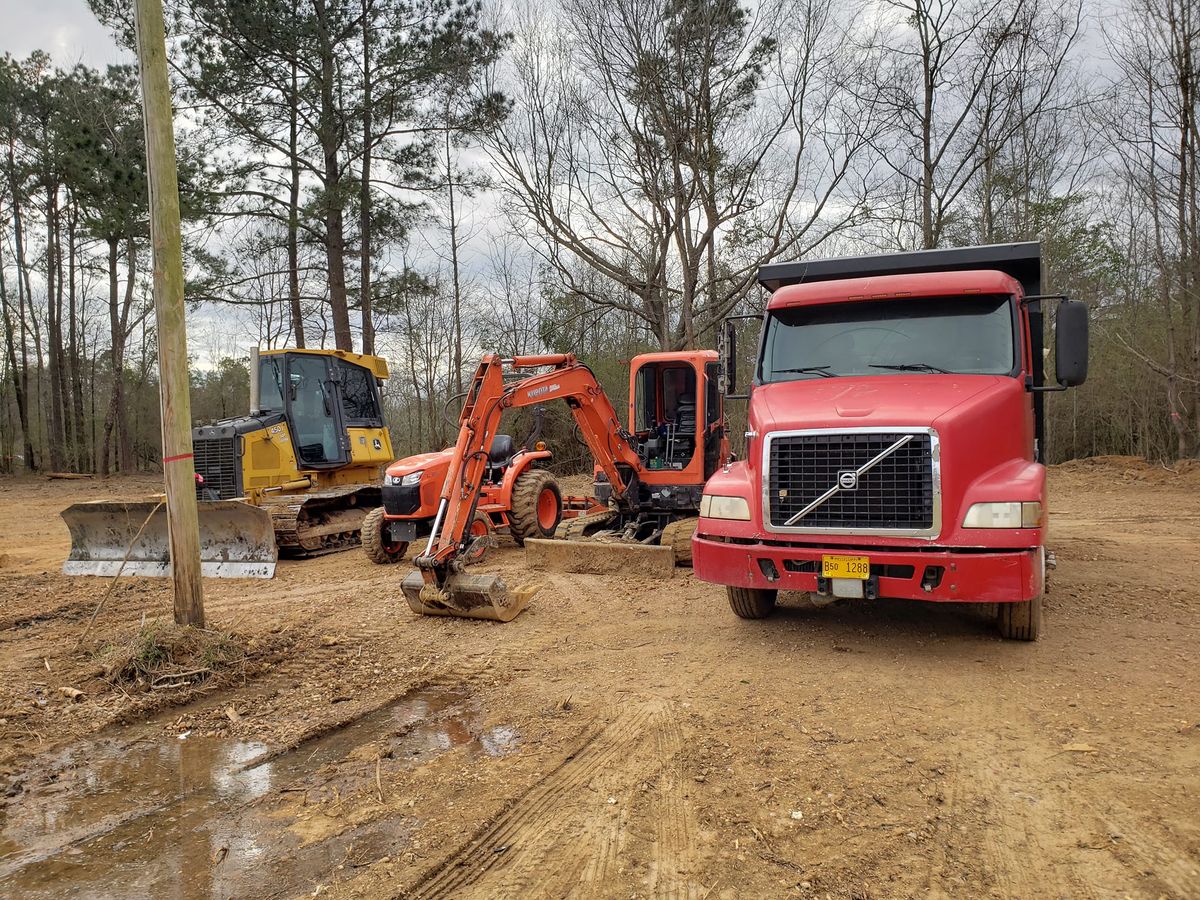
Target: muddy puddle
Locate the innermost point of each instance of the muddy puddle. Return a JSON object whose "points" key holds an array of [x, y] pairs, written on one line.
{"points": [[147, 814]]}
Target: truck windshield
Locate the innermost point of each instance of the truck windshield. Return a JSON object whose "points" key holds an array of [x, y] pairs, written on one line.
{"points": [[968, 335]]}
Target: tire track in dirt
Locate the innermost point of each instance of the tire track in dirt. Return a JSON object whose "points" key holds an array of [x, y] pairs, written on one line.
{"points": [[565, 836], [987, 792], [1016, 863], [935, 884], [673, 850], [1153, 851]]}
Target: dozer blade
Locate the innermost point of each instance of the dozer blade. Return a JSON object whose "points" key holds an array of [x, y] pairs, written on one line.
{"points": [[467, 596], [600, 557], [236, 539]]}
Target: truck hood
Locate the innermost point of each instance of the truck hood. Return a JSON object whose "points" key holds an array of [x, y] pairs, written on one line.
{"points": [[866, 401]]}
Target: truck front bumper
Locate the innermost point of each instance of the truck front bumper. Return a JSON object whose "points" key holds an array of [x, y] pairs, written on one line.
{"points": [[975, 576]]}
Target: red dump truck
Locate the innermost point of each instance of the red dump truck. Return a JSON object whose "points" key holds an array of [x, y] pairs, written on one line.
{"points": [[895, 434]]}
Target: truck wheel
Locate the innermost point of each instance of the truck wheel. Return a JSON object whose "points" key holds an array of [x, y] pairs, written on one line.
{"points": [[751, 603], [536, 506], [1020, 621], [678, 536], [378, 549]]}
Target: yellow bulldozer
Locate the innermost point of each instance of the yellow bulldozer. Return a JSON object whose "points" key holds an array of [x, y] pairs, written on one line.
{"points": [[295, 477]]}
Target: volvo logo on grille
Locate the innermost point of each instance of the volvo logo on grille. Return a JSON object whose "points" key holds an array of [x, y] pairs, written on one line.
{"points": [[848, 480]]}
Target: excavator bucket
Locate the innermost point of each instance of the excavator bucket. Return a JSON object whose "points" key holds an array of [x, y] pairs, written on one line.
{"points": [[467, 596], [237, 540]]}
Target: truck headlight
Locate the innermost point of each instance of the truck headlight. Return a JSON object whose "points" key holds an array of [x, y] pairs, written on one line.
{"points": [[714, 506], [412, 478], [1004, 515]]}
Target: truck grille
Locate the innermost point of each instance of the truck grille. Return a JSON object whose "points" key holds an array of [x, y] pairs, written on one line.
{"points": [[219, 463], [898, 493]]}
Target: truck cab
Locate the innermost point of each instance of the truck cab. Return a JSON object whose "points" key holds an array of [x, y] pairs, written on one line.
{"points": [[895, 435]]}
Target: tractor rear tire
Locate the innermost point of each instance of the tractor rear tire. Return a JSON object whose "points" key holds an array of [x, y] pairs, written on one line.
{"points": [[379, 550], [751, 603], [678, 536], [1020, 621], [536, 506]]}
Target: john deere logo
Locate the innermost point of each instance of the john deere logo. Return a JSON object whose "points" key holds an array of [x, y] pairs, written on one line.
{"points": [[848, 480]]}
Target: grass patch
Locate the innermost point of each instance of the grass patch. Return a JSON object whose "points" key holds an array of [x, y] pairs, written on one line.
{"points": [[162, 656]]}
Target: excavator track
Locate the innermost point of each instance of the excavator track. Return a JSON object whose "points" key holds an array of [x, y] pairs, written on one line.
{"points": [[321, 522], [576, 529]]}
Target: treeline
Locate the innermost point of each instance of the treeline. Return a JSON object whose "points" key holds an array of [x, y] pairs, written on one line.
{"points": [[427, 179]]}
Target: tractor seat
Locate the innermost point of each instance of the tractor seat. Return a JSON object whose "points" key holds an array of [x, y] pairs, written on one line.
{"points": [[685, 413], [502, 450]]}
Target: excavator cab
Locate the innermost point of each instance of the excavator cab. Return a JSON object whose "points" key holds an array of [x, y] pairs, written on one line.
{"points": [[677, 413]]}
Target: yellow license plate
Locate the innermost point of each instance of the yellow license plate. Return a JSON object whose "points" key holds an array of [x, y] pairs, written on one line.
{"points": [[846, 567]]}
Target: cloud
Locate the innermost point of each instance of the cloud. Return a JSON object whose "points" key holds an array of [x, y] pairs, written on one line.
{"points": [[66, 29]]}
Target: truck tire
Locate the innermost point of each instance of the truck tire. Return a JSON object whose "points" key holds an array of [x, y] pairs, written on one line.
{"points": [[1020, 621], [678, 536], [751, 603], [536, 506], [378, 550]]}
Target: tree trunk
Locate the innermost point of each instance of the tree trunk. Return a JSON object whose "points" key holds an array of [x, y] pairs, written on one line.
{"points": [[114, 418], [331, 178], [368, 326], [458, 342], [57, 434], [293, 239], [19, 375], [81, 455]]}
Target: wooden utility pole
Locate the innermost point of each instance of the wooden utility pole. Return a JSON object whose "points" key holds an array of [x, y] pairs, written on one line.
{"points": [[178, 468]]}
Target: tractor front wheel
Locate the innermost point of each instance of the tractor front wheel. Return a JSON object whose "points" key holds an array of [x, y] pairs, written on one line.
{"points": [[479, 538], [375, 544], [536, 506]]}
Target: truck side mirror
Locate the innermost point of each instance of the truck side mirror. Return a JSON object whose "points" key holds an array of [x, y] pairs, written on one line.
{"points": [[1071, 343], [727, 351]]}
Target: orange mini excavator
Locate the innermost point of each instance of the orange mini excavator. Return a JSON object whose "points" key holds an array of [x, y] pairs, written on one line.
{"points": [[649, 477]]}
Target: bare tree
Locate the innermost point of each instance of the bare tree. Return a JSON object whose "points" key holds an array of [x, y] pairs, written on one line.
{"points": [[1156, 46], [674, 147], [959, 80]]}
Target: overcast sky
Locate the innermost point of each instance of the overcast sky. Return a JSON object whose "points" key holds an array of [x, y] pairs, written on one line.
{"points": [[66, 29]]}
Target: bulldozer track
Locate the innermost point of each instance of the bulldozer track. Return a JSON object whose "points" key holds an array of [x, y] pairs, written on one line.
{"points": [[321, 522], [565, 836]]}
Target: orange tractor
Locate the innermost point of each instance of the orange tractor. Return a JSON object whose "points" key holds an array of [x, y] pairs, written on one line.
{"points": [[648, 483], [515, 498]]}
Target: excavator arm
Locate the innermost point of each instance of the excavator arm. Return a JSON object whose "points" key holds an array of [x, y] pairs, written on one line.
{"points": [[441, 587], [569, 380]]}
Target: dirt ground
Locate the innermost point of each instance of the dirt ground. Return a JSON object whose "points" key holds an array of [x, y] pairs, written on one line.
{"points": [[622, 738]]}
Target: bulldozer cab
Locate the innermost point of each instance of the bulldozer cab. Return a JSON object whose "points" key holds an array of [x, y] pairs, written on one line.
{"points": [[305, 388], [323, 396], [678, 415]]}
